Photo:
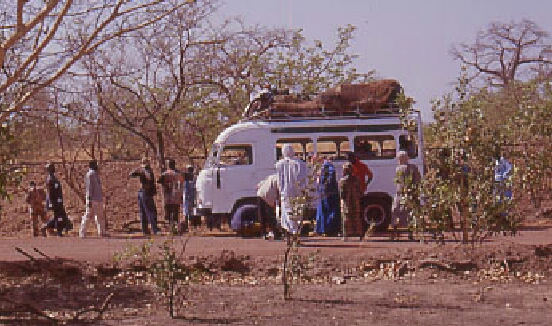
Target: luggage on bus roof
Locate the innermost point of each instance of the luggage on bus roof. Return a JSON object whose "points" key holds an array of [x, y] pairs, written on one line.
{"points": [[345, 99]]}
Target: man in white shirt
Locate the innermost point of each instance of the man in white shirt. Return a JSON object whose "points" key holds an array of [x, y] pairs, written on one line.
{"points": [[292, 177], [94, 201]]}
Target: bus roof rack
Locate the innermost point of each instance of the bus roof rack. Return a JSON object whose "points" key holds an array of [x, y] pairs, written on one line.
{"points": [[270, 114]]}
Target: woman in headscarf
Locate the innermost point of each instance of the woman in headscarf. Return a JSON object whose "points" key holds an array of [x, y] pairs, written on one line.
{"points": [[292, 174], [328, 209], [349, 190]]}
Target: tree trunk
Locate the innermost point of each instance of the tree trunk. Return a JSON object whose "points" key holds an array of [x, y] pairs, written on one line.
{"points": [[463, 210], [160, 149]]}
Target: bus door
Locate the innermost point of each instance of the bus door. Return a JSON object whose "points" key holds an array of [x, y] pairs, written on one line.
{"points": [[234, 174]]}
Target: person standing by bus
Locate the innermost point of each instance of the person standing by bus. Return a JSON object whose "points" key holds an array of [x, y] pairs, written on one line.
{"points": [[349, 191], [172, 183], [267, 194], [146, 202], [189, 200], [361, 171], [328, 209], [407, 179], [292, 177]]}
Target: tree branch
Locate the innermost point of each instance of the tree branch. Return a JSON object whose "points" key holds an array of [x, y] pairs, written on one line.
{"points": [[33, 56], [88, 47], [23, 29]]}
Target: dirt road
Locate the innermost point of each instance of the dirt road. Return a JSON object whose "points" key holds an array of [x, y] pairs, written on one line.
{"points": [[505, 281], [102, 249]]}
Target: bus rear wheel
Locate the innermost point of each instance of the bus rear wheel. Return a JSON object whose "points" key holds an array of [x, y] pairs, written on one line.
{"points": [[376, 214]]}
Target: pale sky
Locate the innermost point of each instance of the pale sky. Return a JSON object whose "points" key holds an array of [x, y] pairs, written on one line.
{"points": [[408, 40]]}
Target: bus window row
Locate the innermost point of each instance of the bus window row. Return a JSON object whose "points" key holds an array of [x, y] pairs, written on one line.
{"points": [[372, 147]]}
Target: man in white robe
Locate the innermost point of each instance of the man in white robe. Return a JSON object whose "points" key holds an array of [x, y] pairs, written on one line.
{"points": [[292, 178]]}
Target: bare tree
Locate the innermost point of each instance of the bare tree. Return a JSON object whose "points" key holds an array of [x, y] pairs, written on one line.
{"points": [[40, 41], [185, 79], [505, 52]]}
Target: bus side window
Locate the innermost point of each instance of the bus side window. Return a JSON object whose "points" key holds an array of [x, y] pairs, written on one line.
{"points": [[375, 147], [335, 148], [303, 147], [409, 144]]}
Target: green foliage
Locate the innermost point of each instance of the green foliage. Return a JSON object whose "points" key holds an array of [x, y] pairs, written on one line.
{"points": [[140, 254], [169, 275], [166, 270], [460, 174], [9, 176], [296, 265], [313, 67]]}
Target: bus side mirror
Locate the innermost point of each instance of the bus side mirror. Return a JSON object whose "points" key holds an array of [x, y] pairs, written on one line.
{"points": [[218, 178]]}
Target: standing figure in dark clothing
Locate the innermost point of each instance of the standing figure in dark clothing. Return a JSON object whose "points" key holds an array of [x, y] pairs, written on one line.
{"points": [[54, 202], [350, 193], [172, 182], [328, 211], [189, 200], [146, 204]]}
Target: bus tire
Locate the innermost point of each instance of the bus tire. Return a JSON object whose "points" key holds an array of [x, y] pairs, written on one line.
{"points": [[376, 213], [242, 202]]}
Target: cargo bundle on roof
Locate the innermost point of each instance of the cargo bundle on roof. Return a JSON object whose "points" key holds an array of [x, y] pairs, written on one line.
{"points": [[344, 100]]}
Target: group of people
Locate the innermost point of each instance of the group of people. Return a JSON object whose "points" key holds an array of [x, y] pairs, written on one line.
{"points": [[53, 196], [339, 208], [178, 191], [345, 196], [339, 202]]}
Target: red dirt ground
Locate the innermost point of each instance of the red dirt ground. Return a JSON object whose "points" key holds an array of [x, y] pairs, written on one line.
{"points": [[505, 281]]}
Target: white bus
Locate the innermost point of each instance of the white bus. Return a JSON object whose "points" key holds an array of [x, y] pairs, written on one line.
{"points": [[247, 152]]}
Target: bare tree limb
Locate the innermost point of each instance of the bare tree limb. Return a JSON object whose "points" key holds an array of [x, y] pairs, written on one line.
{"points": [[91, 43], [23, 28], [506, 52]]}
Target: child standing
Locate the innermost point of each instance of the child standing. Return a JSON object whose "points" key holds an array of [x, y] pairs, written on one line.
{"points": [[35, 199]]}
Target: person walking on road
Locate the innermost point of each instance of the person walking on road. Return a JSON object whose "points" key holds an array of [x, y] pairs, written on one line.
{"points": [[172, 183], [54, 202], [349, 191], [94, 201], [35, 199], [146, 202]]}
